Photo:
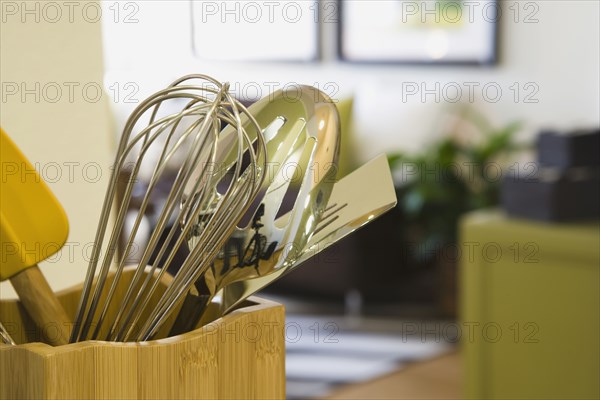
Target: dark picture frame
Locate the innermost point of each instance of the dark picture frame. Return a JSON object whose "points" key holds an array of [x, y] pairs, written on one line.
{"points": [[263, 40], [401, 32]]}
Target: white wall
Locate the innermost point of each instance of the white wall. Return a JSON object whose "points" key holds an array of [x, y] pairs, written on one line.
{"points": [[559, 55], [65, 135]]}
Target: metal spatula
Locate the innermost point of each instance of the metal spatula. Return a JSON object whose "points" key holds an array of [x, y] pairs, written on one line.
{"points": [[356, 200], [33, 227]]}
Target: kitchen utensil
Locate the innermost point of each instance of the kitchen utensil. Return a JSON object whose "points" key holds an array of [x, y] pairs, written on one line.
{"points": [[356, 200], [33, 227], [5, 336], [303, 137], [212, 224], [195, 108]]}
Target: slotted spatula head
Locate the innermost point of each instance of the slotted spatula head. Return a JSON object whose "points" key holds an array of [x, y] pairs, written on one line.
{"points": [[34, 225]]}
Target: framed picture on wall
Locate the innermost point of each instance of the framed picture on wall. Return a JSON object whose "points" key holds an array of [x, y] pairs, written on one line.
{"points": [[418, 32], [256, 30]]}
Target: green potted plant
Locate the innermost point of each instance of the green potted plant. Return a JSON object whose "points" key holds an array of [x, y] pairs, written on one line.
{"points": [[453, 175]]}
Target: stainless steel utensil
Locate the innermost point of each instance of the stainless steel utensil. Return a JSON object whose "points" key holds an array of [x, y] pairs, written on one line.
{"points": [[303, 139], [218, 199], [5, 336], [356, 200], [225, 200]]}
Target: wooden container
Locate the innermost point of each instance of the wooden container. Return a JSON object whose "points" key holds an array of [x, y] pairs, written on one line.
{"points": [[239, 356]]}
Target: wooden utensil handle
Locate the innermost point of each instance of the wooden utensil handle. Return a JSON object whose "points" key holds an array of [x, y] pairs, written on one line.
{"points": [[42, 305]]}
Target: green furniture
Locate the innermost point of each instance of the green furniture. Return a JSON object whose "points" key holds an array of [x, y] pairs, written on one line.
{"points": [[529, 308]]}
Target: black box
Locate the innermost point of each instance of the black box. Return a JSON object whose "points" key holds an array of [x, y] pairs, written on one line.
{"points": [[557, 200], [580, 148]]}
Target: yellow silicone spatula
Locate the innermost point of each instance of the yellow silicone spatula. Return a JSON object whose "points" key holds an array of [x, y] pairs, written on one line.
{"points": [[33, 227]]}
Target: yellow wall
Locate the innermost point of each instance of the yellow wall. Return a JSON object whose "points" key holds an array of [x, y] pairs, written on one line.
{"points": [[68, 135]]}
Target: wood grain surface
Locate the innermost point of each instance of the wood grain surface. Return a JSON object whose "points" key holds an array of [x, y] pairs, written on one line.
{"points": [[241, 355], [439, 378]]}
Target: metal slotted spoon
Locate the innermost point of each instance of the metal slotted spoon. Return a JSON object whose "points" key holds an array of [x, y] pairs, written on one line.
{"points": [[303, 140]]}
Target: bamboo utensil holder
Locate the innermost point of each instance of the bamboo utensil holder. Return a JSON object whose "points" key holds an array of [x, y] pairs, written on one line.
{"points": [[239, 356]]}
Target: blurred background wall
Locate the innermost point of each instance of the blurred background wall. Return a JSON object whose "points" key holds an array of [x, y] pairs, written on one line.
{"points": [[558, 55]]}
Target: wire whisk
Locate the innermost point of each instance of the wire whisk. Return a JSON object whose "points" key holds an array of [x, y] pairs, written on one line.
{"points": [[182, 122]]}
